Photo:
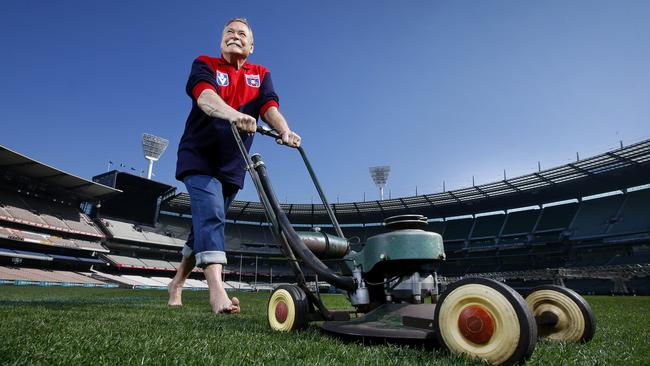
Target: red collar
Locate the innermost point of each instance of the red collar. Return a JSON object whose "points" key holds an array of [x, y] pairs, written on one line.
{"points": [[222, 62]]}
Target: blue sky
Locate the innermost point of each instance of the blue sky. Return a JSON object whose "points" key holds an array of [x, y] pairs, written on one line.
{"points": [[438, 90]]}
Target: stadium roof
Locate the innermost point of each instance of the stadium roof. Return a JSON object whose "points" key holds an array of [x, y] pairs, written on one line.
{"points": [[21, 165], [612, 170]]}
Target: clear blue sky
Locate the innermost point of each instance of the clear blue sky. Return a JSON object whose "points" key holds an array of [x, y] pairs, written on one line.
{"points": [[439, 90]]}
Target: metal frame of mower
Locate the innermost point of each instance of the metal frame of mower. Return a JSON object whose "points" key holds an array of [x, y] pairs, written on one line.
{"points": [[476, 316]]}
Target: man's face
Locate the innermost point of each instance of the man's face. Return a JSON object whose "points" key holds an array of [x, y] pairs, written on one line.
{"points": [[236, 40]]}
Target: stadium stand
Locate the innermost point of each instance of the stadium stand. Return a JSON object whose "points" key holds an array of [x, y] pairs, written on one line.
{"points": [[138, 233], [556, 218], [122, 261], [634, 216], [487, 226], [579, 223], [51, 215], [520, 223], [437, 226], [458, 229], [44, 234], [52, 277], [594, 216]]}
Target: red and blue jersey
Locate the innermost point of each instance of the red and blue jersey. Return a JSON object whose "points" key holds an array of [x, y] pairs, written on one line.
{"points": [[207, 146]]}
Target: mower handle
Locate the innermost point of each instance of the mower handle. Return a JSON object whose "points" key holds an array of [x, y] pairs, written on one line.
{"points": [[263, 130]]}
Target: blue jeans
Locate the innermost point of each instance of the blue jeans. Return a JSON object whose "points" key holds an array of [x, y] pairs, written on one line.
{"points": [[209, 201]]}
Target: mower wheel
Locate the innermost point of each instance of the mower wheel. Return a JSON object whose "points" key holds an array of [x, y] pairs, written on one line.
{"points": [[485, 319], [288, 309], [562, 314]]}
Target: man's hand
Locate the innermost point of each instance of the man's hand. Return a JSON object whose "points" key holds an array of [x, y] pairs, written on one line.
{"points": [[276, 120], [244, 123], [289, 138]]}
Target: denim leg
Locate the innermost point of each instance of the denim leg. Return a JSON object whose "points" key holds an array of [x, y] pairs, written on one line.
{"points": [[188, 248], [209, 207]]}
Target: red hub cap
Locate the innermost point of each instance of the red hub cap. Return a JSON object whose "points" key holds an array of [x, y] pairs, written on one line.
{"points": [[281, 312], [476, 324]]}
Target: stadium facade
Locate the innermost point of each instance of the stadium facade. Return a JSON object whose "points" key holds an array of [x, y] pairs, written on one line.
{"points": [[585, 224]]}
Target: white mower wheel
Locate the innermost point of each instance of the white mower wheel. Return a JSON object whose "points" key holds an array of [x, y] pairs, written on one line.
{"points": [[485, 319], [288, 309], [575, 319]]}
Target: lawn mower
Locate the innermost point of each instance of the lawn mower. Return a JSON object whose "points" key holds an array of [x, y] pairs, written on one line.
{"points": [[390, 280]]}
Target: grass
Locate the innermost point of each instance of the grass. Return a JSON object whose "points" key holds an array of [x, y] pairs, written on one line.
{"points": [[78, 326]]}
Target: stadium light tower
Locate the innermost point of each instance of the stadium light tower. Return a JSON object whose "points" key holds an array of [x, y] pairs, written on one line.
{"points": [[153, 147], [379, 175]]}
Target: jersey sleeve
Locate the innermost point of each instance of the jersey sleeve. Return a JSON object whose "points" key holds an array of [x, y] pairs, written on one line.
{"points": [[201, 77], [268, 97]]}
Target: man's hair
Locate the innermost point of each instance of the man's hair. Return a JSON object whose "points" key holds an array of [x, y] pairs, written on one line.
{"points": [[241, 20]]}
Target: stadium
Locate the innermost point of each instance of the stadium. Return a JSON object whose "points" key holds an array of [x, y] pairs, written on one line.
{"points": [[541, 258], [582, 225]]}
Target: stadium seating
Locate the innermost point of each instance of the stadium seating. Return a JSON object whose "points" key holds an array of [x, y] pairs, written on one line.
{"points": [[192, 283], [123, 230], [89, 245], [174, 226], [40, 213], [48, 239], [487, 226], [629, 259], [17, 209], [39, 275], [594, 216], [136, 281], [144, 281], [135, 233], [458, 229], [437, 227], [157, 264], [122, 261], [556, 218], [236, 285], [117, 279], [634, 215], [520, 222]]}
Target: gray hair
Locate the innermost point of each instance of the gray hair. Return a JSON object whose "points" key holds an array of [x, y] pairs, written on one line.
{"points": [[241, 20]]}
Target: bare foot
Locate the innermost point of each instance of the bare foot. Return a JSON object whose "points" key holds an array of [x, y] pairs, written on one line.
{"points": [[174, 294], [226, 306]]}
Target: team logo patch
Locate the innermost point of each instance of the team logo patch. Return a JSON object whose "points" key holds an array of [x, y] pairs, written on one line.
{"points": [[222, 79], [253, 80]]}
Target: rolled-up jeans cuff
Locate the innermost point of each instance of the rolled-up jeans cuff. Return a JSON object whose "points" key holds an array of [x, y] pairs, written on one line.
{"points": [[187, 251], [203, 259]]}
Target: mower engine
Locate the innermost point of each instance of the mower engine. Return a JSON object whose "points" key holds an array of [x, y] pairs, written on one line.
{"points": [[397, 266]]}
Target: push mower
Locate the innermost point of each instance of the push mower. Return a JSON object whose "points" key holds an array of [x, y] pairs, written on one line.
{"points": [[388, 281]]}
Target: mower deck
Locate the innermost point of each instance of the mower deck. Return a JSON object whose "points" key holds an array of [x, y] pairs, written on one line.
{"points": [[389, 321]]}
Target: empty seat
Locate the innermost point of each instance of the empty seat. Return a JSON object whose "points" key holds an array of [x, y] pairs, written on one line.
{"points": [[594, 216], [520, 222], [488, 226], [556, 217], [634, 215], [458, 229]]}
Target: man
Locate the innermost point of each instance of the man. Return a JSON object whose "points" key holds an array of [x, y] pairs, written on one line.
{"points": [[224, 91]]}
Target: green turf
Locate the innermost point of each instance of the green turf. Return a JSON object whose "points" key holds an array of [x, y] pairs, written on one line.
{"points": [[78, 326]]}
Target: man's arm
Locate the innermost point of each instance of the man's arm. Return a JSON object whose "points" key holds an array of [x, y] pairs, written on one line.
{"points": [[211, 104], [276, 120]]}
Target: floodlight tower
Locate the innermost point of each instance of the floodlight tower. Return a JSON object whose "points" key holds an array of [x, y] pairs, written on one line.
{"points": [[153, 147], [379, 175]]}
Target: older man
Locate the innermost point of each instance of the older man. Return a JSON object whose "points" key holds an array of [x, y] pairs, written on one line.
{"points": [[224, 91]]}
